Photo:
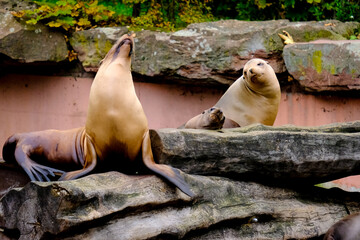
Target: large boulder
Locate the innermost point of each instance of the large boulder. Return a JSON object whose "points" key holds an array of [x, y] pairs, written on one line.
{"points": [[92, 45], [325, 65], [30, 43], [113, 206], [257, 152], [212, 52]]}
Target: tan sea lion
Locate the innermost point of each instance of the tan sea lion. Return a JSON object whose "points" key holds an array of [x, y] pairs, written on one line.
{"points": [[253, 98], [115, 137], [347, 228]]}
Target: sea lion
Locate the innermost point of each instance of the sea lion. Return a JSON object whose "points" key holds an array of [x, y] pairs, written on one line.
{"points": [[115, 136], [212, 118], [347, 228], [253, 98], [57, 149]]}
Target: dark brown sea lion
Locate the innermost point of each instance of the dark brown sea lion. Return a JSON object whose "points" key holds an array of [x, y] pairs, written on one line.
{"points": [[253, 98], [115, 136], [347, 228], [56, 149]]}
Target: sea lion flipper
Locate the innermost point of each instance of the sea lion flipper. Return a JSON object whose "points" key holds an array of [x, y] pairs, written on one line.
{"points": [[90, 162], [35, 171], [169, 173]]}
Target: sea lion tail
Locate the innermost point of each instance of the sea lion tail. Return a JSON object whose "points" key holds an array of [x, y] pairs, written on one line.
{"points": [[8, 151], [169, 173]]}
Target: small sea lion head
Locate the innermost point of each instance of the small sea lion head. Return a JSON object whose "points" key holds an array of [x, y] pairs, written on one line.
{"points": [[123, 48], [258, 71], [212, 118]]}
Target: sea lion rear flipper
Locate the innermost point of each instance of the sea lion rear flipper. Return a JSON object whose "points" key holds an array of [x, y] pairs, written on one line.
{"points": [[169, 173], [89, 165], [35, 171]]}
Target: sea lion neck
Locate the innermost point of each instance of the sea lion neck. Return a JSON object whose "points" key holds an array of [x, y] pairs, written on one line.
{"points": [[124, 62]]}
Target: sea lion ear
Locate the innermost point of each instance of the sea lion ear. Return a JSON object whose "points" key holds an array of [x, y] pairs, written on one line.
{"points": [[267, 62]]}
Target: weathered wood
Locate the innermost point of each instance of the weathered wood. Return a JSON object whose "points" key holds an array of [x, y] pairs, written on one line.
{"points": [[265, 153]]}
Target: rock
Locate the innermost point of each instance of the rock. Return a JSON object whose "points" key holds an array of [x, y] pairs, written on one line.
{"points": [[17, 5], [30, 43], [325, 65], [283, 154], [109, 205], [208, 53], [92, 45], [11, 177]]}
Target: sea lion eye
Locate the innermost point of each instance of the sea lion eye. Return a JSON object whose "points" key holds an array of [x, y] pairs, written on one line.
{"points": [[260, 64]]}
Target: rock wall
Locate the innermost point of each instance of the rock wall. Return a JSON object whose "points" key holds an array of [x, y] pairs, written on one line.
{"points": [[112, 205], [210, 53]]}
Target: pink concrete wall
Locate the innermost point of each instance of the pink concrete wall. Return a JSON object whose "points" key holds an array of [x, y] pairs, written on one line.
{"points": [[32, 103], [315, 110]]}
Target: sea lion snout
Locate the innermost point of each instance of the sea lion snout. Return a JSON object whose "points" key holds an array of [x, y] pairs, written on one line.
{"points": [[217, 115]]}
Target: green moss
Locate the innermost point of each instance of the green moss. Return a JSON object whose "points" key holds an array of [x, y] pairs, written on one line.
{"points": [[317, 62], [332, 69], [314, 35], [108, 45], [353, 73], [273, 43], [80, 38]]}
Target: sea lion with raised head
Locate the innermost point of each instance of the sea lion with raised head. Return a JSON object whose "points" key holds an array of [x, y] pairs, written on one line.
{"points": [[347, 228], [115, 137], [253, 98]]}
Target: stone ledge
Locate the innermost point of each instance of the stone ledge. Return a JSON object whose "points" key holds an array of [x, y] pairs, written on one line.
{"points": [[258, 152]]}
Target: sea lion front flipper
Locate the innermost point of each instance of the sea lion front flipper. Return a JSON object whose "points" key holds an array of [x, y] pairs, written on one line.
{"points": [[89, 165], [169, 173], [35, 171]]}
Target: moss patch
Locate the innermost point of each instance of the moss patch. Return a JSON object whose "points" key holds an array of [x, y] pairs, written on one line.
{"points": [[316, 58]]}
